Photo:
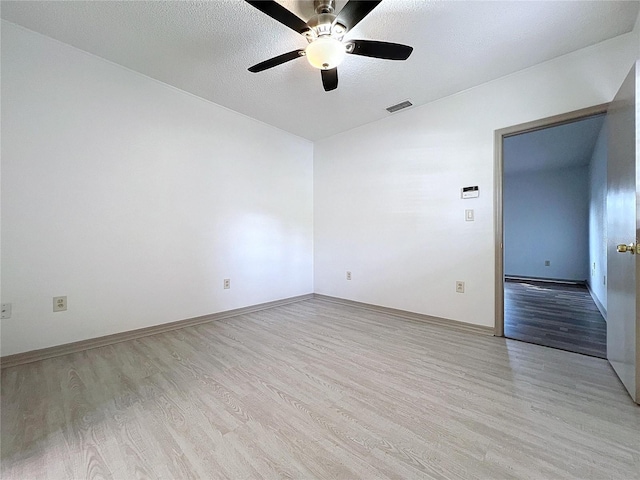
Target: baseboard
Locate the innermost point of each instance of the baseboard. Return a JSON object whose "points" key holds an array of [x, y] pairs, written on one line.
{"points": [[549, 280], [443, 322], [67, 348], [603, 311]]}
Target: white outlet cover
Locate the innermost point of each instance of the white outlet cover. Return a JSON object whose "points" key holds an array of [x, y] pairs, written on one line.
{"points": [[59, 304]]}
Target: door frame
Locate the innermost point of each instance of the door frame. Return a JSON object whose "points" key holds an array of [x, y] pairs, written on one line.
{"points": [[498, 169]]}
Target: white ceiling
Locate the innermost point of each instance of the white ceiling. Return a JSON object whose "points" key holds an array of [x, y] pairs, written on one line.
{"points": [[562, 146], [205, 48]]}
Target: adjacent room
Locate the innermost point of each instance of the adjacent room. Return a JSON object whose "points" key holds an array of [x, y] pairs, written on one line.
{"points": [[555, 236], [220, 262]]}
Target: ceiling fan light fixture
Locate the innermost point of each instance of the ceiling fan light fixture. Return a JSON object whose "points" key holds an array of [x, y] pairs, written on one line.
{"points": [[325, 53], [324, 32]]}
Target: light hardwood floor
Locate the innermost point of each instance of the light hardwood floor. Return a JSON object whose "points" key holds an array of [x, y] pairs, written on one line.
{"points": [[318, 390]]}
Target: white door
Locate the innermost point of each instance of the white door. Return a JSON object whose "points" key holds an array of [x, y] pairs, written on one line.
{"points": [[623, 224]]}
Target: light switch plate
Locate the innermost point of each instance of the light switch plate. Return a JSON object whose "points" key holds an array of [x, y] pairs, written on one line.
{"points": [[469, 215]]}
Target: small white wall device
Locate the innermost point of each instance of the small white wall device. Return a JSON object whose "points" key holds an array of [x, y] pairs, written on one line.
{"points": [[470, 192]]}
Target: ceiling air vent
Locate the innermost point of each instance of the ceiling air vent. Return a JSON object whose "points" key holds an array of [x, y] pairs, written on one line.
{"points": [[399, 106]]}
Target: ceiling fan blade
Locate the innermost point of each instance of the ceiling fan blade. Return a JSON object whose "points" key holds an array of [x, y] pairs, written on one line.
{"points": [[275, 61], [280, 14], [354, 11], [373, 48], [329, 79]]}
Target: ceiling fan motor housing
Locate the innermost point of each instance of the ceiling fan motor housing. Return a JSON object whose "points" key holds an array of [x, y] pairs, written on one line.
{"points": [[322, 25]]}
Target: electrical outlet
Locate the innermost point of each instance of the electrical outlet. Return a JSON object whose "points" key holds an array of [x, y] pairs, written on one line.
{"points": [[459, 286], [348, 275], [227, 283], [6, 310], [59, 304], [547, 263]]}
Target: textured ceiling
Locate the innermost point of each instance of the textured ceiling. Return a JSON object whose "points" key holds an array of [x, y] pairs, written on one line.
{"points": [[563, 146], [205, 48]]}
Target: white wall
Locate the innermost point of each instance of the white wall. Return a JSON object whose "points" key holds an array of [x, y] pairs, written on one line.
{"points": [[387, 195], [136, 200], [598, 218], [546, 218]]}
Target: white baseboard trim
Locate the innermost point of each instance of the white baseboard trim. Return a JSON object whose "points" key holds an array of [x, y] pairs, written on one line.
{"points": [[443, 322], [59, 350], [603, 310]]}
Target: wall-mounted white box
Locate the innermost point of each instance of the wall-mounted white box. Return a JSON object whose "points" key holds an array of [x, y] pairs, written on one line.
{"points": [[470, 192]]}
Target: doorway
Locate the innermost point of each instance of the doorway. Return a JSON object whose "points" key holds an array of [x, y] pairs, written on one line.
{"points": [[550, 256]]}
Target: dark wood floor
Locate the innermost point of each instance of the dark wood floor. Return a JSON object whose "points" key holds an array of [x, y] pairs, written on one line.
{"points": [[555, 315]]}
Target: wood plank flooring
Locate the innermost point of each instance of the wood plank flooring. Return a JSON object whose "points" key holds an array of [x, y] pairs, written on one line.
{"points": [[318, 390], [555, 315]]}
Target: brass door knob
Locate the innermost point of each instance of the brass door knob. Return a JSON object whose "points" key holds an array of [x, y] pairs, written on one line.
{"points": [[622, 248]]}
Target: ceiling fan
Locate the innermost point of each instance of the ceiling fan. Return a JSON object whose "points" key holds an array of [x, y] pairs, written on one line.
{"points": [[324, 32]]}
